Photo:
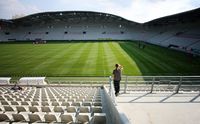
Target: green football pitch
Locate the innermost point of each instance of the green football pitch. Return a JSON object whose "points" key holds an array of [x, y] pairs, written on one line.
{"points": [[93, 59]]}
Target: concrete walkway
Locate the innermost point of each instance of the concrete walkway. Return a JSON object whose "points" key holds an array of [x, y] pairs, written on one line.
{"points": [[160, 108]]}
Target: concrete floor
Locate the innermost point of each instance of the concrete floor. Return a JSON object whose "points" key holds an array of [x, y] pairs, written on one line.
{"points": [[160, 108]]}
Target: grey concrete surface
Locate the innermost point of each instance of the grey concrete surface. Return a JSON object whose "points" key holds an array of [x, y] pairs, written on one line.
{"points": [[160, 108]]}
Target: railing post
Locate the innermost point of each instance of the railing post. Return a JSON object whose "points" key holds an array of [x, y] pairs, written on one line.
{"points": [[152, 85], [125, 84], [179, 85]]}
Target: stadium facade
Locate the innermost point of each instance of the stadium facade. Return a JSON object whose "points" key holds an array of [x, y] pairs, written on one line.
{"points": [[180, 31]]}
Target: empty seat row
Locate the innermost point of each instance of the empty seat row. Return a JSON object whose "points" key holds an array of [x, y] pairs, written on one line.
{"points": [[45, 103], [50, 118], [10, 100], [30, 96], [59, 109], [41, 96]]}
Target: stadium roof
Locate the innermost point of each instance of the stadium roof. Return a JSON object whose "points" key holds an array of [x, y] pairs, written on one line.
{"points": [[68, 16], [89, 16], [189, 16]]}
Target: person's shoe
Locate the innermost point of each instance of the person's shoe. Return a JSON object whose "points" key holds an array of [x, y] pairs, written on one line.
{"points": [[117, 94]]}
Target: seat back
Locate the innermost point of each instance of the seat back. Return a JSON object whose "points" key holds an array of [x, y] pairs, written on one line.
{"points": [[71, 109], [34, 118], [18, 118], [58, 109], [33, 109], [49, 118], [4, 117], [82, 119], [20, 109], [99, 119], [8, 108], [66, 119], [45, 109]]}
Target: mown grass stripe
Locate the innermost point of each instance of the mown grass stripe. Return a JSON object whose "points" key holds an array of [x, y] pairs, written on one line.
{"points": [[73, 59], [145, 63], [106, 55], [99, 60], [90, 65], [129, 68], [52, 59], [77, 68]]}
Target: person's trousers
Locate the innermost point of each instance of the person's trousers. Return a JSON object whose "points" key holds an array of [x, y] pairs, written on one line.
{"points": [[117, 86]]}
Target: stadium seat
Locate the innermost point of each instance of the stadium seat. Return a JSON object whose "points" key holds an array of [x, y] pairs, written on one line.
{"points": [[88, 100], [20, 109], [99, 118], [4, 118], [18, 99], [53, 99], [33, 109], [97, 100], [58, 109], [66, 118], [97, 104], [1, 111], [44, 99], [4, 103], [61, 100], [65, 104], [76, 104], [84, 110], [18, 118], [1, 98], [71, 109], [86, 103], [82, 119], [34, 118], [9, 99], [14, 103], [8, 109], [24, 103], [97, 109], [45, 103], [49, 118], [71, 100], [34, 103], [27, 99], [45, 109], [35, 99], [55, 103]]}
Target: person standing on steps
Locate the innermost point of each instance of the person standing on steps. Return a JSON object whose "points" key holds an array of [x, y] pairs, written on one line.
{"points": [[117, 78]]}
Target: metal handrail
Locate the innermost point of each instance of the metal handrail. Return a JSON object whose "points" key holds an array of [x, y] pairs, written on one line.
{"points": [[152, 82]]}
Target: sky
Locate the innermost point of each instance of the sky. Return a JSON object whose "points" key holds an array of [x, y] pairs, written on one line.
{"points": [[135, 10]]}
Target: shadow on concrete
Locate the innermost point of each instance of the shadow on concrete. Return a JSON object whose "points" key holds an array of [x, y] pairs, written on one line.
{"points": [[188, 98]]}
